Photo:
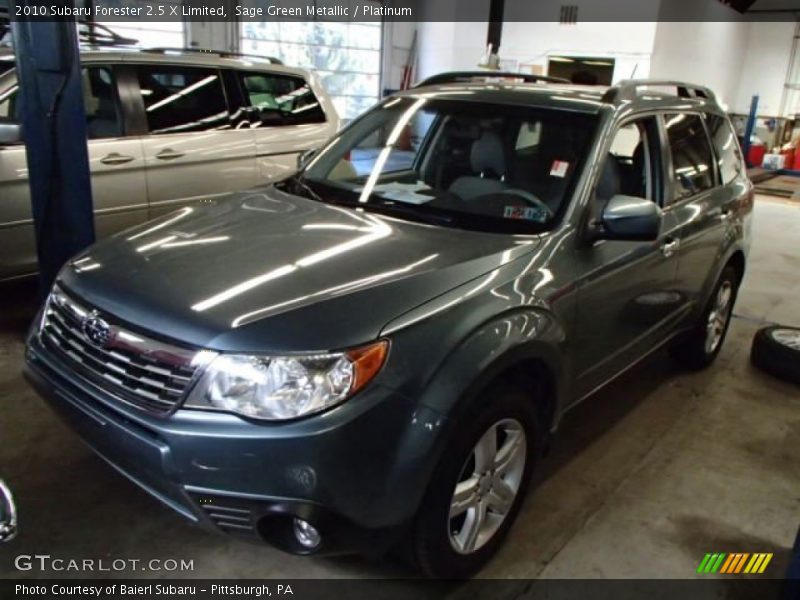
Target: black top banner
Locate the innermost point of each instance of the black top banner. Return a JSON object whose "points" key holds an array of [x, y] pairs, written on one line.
{"points": [[567, 12]]}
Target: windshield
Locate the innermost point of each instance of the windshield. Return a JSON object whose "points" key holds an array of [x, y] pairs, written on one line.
{"points": [[458, 163]]}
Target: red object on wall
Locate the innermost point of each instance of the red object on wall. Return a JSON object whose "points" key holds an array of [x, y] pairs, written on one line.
{"points": [[796, 165], [755, 155]]}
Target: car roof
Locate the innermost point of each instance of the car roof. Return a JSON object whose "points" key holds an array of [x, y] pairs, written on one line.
{"points": [[635, 94], [179, 57], [578, 98]]}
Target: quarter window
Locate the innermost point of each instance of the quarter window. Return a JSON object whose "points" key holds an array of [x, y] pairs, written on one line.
{"points": [[181, 99], [103, 117], [729, 156], [692, 160], [281, 99]]}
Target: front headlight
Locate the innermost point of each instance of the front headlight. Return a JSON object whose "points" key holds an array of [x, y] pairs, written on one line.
{"points": [[285, 387]]}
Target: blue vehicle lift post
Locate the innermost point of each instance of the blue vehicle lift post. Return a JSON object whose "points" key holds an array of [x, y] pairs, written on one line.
{"points": [[54, 130], [749, 127]]}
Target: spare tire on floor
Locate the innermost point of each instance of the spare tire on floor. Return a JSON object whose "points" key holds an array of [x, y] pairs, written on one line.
{"points": [[776, 350]]}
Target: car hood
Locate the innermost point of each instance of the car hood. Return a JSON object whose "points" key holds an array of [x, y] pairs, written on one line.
{"points": [[265, 270]]}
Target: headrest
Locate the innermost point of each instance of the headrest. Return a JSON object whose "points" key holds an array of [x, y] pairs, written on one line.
{"points": [[608, 183], [487, 154]]}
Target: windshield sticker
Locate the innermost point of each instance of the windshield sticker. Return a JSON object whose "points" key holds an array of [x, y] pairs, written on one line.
{"points": [[559, 168], [526, 213]]}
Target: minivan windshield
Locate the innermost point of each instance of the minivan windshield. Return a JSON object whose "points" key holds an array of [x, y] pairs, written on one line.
{"points": [[459, 163]]}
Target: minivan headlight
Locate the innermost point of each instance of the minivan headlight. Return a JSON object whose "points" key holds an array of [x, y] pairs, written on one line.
{"points": [[278, 388]]}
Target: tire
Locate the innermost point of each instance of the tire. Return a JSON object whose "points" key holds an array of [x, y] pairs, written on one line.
{"points": [[701, 345], [776, 350], [443, 546]]}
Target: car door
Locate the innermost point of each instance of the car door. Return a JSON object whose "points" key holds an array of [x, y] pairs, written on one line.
{"points": [[116, 164], [195, 149], [627, 297], [287, 118], [704, 194]]}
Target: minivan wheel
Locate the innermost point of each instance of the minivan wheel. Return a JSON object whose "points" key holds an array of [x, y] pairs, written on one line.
{"points": [[476, 491], [701, 345]]}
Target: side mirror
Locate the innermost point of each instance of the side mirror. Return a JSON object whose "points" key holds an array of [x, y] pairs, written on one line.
{"points": [[304, 157], [8, 514], [10, 133], [628, 218]]}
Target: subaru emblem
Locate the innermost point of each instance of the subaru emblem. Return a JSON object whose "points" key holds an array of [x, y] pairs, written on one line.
{"points": [[96, 330]]}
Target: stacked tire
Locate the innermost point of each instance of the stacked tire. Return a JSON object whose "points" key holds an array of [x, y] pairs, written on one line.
{"points": [[776, 350]]}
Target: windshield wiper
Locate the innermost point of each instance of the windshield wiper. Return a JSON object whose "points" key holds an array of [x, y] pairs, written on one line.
{"points": [[299, 181]]}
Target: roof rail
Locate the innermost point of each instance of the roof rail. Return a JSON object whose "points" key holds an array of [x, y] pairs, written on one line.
{"points": [[100, 35], [220, 53], [462, 76], [629, 89], [88, 32]]}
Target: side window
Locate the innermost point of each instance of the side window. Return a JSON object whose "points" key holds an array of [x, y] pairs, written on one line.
{"points": [[100, 101], [182, 99], [281, 99], [692, 160], [729, 156], [632, 163], [528, 137], [103, 115]]}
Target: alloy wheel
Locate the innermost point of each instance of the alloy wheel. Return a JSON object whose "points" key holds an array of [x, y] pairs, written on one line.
{"points": [[787, 337], [718, 317], [487, 486]]}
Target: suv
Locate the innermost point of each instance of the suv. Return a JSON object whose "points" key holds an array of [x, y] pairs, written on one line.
{"points": [[376, 349], [166, 129]]}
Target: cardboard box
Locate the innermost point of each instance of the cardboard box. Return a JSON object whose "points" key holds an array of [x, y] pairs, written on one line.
{"points": [[773, 161]]}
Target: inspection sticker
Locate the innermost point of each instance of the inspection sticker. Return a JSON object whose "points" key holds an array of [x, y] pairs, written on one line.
{"points": [[527, 213], [559, 168]]}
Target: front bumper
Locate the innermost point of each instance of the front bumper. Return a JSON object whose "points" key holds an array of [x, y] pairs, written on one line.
{"points": [[357, 473]]}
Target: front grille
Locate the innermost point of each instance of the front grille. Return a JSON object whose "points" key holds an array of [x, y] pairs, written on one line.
{"points": [[141, 371]]}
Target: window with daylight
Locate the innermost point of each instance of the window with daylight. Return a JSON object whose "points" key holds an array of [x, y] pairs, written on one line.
{"points": [[346, 56], [151, 33]]}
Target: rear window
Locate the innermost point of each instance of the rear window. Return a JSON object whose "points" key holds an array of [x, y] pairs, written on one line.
{"points": [[281, 99], [729, 156], [179, 99], [692, 160]]}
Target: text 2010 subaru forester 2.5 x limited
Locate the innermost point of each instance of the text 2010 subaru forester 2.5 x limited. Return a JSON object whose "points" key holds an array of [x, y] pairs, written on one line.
{"points": [[374, 350]]}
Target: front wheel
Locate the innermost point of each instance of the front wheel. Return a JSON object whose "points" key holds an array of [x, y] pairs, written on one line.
{"points": [[701, 345], [476, 492]]}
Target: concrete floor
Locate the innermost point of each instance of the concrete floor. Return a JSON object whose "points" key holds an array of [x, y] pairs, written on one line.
{"points": [[645, 478]]}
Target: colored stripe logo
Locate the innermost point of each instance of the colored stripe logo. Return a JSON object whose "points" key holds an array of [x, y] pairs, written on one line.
{"points": [[735, 563]]}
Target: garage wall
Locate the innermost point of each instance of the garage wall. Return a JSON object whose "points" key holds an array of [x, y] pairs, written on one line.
{"points": [[764, 68], [710, 54]]}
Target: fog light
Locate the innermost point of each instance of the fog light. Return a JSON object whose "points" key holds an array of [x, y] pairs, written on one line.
{"points": [[306, 534]]}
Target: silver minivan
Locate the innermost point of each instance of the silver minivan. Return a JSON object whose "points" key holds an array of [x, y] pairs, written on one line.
{"points": [[167, 128]]}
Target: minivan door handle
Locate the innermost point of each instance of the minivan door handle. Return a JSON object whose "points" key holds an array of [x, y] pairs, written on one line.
{"points": [[670, 246], [168, 154], [115, 158]]}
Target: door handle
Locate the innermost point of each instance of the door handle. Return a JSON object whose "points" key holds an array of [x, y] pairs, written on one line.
{"points": [[115, 158], [168, 154], [669, 247]]}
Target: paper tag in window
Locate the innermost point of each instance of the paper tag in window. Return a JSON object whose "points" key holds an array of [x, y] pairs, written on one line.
{"points": [[527, 213], [559, 168]]}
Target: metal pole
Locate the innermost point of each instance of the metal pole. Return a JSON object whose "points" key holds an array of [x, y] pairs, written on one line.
{"points": [[54, 129], [749, 128]]}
